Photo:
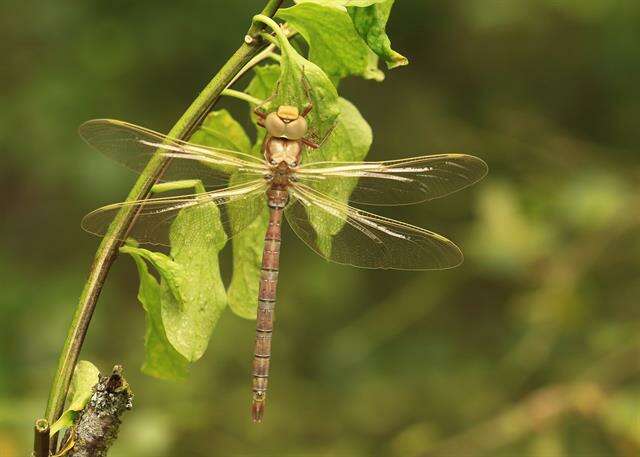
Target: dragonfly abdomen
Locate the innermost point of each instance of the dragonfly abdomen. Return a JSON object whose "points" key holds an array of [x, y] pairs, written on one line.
{"points": [[267, 301]]}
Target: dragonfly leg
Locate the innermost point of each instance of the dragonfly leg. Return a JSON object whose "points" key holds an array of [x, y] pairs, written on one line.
{"points": [[259, 111], [310, 143], [307, 90], [318, 144], [307, 109]]}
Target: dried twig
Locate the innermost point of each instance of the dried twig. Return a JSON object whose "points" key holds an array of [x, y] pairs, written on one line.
{"points": [[97, 427]]}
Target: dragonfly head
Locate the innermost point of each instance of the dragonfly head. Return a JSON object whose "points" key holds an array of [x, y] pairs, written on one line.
{"points": [[286, 122], [288, 113]]}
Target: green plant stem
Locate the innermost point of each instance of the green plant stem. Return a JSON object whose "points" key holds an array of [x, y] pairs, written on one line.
{"points": [[41, 438], [183, 184], [270, 38], [280, 32], [266, 53], [242, 96], [108, 249]]}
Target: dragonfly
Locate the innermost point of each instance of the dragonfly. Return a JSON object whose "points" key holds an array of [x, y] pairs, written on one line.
{"points": [[295, 190]]}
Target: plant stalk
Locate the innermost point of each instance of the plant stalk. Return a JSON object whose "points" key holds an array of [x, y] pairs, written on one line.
{"points": [[242, 96], [108, 249], [41, 438]]}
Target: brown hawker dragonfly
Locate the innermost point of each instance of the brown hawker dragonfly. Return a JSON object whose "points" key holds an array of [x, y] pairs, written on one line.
{"points": [[334, 230]]}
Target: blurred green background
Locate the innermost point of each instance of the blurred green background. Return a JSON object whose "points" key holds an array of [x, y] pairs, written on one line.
{"points": [[532, 347]]}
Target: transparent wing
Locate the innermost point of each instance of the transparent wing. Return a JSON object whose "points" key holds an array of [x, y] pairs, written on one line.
{"points": [[133, 147], [350, 236], [153, 217], [396, 182]]}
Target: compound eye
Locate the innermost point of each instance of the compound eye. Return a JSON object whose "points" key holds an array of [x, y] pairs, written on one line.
{"points": [[274, 125], [296, 129]]}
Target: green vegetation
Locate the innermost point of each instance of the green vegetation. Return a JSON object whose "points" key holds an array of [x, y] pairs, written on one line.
{"points": [[530, 348]]}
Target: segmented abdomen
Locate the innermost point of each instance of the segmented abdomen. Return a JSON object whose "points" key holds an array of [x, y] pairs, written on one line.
{"points": [[266, 301]]}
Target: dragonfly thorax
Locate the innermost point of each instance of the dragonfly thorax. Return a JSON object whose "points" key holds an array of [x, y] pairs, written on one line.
{"points": [[280, 176], [279, 150]]}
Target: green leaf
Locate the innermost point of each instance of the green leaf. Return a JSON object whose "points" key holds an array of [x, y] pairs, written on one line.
{"points": [[291, 88], [247, 245], [247, 258], [221, 130], [334, 43], [261, 86], [620, 414], [349, 142], [370, 22], [369, 19], [85, 376], [196, 238], [192, 295], [172, 273], [264, 81], [161, 359]]}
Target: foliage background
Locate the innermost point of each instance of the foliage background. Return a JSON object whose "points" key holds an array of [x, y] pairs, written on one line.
{"points": [[530, 348]]}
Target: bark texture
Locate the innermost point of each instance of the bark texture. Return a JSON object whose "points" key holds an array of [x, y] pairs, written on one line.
{"points": [[97, 427]]}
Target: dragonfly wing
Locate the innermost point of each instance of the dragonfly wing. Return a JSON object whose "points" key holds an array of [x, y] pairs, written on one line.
{"points": [[346, 235], [396, 182], [154, 216], [133, 147]]}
